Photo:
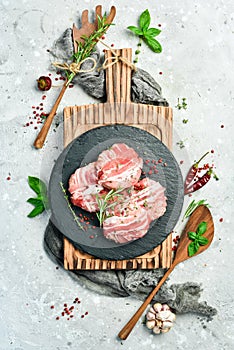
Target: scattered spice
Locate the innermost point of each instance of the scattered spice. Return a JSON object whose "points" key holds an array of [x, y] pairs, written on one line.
{"points": [[185, 121], [69, 310], [175, 241], [221, 220]]}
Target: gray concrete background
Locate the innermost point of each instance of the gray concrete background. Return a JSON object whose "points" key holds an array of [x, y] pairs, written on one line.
{"points": [[197, 63]]}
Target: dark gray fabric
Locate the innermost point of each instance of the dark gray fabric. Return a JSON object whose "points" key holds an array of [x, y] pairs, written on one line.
{"points": [[144, 88], [138, 284], [181, 297]]}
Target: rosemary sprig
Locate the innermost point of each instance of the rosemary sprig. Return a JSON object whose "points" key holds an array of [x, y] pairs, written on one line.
{"points": [[103, 204], [69, 206], [84, 50], [192, 206]]}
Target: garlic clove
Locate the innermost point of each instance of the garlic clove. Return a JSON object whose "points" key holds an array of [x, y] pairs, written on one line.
{"points": [[172, 317], [156, 330], [164, 315], [159, 323], [165, 330], [167, 324], [152, 310], [157, 307], [150, 324], [150, 316]]}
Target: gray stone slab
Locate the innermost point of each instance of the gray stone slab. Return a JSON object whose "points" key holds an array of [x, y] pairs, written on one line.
{"points": [[85, 149]]}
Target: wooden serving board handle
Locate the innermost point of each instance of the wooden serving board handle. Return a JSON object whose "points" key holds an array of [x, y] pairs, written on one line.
{"points": [[118, 77]]}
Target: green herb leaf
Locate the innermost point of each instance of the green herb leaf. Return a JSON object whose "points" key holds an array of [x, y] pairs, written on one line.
{"points": [[202, 227], [37, 185], [202, 240], [35, 201], [135, 30], [193, 248], [103, 203], [192, 235], [194, 205], [153, 32], [36, 211], [197, 238], [153, 44], [41, 201], [144, 21]]}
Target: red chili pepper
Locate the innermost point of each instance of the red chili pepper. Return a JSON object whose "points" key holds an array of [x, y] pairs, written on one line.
{"points": [[201, 182], [192, 172]]}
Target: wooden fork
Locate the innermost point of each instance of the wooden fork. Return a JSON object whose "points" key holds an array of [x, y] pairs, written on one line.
{"points": [[87, 28]]}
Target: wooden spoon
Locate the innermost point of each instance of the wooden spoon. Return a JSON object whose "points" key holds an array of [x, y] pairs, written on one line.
{"points": [[87, 29], [202, 213]]}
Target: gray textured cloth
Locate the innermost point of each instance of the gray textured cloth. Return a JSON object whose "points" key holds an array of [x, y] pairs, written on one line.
{"points": [[144, 88], [180, 297]]}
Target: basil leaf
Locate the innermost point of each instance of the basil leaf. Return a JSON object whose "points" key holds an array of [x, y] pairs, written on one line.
{"points": [[192, 235], [202, 240], [144, 21], [37, 185], [193, 248], [135, 30], [35, 201], [153, 32], [202, 227], [36, 211], [153, 44]]}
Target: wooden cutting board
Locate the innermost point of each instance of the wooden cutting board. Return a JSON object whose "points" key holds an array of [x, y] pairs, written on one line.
{"points": [[118, 109]]}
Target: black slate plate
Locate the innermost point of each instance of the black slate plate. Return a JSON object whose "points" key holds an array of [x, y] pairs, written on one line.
{"points": [[84, 150]]}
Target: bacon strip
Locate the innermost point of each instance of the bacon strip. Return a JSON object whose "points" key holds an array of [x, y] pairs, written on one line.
{"points": [[84, 188], [123, 229], [119, 167]]}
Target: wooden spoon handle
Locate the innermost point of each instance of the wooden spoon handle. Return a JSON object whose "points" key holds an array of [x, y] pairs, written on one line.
{"points": [[39, 142], [126, 330]]}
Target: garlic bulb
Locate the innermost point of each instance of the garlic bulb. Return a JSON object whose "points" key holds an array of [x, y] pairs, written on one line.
{"points": [[160, 318]]}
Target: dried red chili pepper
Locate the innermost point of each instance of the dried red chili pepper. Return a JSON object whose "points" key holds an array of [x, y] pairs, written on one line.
{"points": [[202, 181], [192, 172]]}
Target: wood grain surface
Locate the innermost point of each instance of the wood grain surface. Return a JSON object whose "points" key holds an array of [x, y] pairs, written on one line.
{"points": [[118, 109]]}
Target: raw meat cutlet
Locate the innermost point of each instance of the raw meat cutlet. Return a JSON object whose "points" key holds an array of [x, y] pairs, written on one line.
{"points": [[119, 167], [123, 229], [84, 188], [150, 195]]}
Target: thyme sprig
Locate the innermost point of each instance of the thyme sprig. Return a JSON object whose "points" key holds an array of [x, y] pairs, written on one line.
{"points": [[76, 219], [85, 49], [104, 203], [194, 205]]}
